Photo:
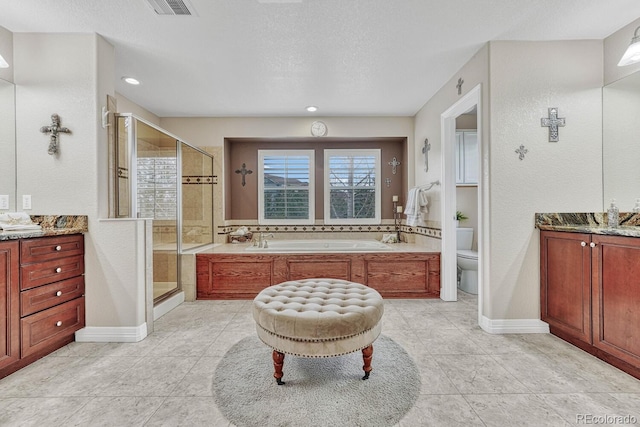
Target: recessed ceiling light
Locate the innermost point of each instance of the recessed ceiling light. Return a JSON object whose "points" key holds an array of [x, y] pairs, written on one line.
{"points": [[312, 108], [131, 80]]}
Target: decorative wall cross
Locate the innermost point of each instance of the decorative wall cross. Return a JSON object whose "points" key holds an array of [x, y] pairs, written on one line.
{"points": [[387, 181], [394, 165], [244, 172], [553, 122], [425, 151], [459, 85], [54, 129], [522, 151]]}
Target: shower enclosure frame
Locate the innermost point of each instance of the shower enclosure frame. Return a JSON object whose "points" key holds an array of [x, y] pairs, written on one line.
{"points": [[132, 188]]}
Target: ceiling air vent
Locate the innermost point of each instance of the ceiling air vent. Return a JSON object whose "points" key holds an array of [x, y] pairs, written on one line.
{"points": [[172, 7]]}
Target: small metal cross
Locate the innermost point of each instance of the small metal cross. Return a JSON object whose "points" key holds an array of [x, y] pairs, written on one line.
{"points": [[552, 122], [425, 151], [459, 85], [55, 129], [394, 165], [244, 171], [522, 151], [387, 181]]}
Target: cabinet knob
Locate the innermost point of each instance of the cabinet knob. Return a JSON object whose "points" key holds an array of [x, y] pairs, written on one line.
{"points": [[583, 244], [59, 293], [58, 248], [59, 323], [58, 270], [593, 245]]}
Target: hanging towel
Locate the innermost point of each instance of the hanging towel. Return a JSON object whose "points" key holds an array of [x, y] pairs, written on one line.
{"points": [[424, 201], [412, 210]]}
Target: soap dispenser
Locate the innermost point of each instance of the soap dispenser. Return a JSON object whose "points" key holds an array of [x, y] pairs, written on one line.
{"points": [[636, 208], [612, 214]]}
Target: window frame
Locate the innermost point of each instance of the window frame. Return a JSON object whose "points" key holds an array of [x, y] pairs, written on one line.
{"points": [[377, 153], [310, 220]]}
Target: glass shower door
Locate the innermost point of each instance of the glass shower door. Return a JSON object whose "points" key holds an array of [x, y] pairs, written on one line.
{"points": [[157, 198], [197, 197], [155, 175]]}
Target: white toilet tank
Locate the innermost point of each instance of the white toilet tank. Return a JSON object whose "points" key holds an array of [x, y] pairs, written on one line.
{"points": [[464, 238]]}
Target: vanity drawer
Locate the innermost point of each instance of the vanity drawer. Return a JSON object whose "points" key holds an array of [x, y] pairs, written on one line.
{"points": [[48, 248], [43, 273], [47, 327], [47, 296]]}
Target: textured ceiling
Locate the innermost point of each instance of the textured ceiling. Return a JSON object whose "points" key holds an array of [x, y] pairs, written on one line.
{"points": [[348, 57]]}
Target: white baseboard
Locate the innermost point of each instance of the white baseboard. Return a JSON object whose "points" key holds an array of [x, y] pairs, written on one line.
{"points": [[167, 305], [112, 334], [514, 326]]}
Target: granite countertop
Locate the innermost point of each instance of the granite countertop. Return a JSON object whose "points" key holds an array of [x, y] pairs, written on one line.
{"points": [[592, 223], [240, 248], [52, 225]]}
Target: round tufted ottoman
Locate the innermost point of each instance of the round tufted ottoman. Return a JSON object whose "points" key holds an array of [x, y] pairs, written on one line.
{"points": [[318, 318]]}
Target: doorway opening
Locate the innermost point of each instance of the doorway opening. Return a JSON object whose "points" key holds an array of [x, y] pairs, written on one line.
{"points": [[469, 103]]}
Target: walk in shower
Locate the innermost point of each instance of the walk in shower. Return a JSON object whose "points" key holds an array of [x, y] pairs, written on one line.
{"points": [[158, 176]]}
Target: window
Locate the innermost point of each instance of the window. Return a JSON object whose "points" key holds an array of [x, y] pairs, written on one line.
{"points": [[157, 187], [286, 187], [352, 186]]}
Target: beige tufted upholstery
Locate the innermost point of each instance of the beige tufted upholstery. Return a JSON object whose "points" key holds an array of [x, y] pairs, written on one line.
{"points": [[318, 317]]}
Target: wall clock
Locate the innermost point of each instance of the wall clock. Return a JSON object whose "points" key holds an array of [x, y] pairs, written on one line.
{"points": [[318, 128]]}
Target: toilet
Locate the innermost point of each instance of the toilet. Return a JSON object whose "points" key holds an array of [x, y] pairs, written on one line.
{"points": [[467, 261]]}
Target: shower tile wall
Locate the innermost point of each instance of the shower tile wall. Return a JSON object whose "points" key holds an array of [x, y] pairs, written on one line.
{"points": [[197, 197]]}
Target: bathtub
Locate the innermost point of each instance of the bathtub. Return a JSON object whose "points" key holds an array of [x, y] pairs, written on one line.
{"points": [[240, 271], [321, 246]]}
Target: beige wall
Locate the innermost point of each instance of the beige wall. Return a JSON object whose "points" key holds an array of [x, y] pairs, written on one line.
{"points": [[71, 74], [467, 203], [211, 131], [526, 79], [427, 125], [125, 105], [520, 81]]}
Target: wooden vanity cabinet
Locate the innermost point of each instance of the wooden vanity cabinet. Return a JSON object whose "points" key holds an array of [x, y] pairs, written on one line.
{"points": [[9, 304], [616, 297], [42, 283], [590, 294], [565, 283]]}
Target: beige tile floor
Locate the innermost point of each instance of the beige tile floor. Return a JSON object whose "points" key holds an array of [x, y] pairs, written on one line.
{"points": [[469, 377]]}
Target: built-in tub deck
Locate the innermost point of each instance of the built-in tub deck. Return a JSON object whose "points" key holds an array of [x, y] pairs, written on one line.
{"points": [[240, 271]]}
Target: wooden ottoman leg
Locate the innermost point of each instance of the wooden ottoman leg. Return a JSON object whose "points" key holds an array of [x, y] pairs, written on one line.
{"points": [[278, 362], [367, 355]]}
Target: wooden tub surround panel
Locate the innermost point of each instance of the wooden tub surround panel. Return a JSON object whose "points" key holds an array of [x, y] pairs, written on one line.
{"points": [[243, 276]]}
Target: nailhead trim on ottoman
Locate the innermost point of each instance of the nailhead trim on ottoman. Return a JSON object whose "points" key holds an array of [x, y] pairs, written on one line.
{"points": [[318, 317]]}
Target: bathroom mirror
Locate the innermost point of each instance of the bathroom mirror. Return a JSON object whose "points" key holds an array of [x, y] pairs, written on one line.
{"points": [[7, 146], [621, 142]]}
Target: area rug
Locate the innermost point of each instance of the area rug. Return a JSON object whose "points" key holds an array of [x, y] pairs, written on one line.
{"points": [[318, 391]]}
